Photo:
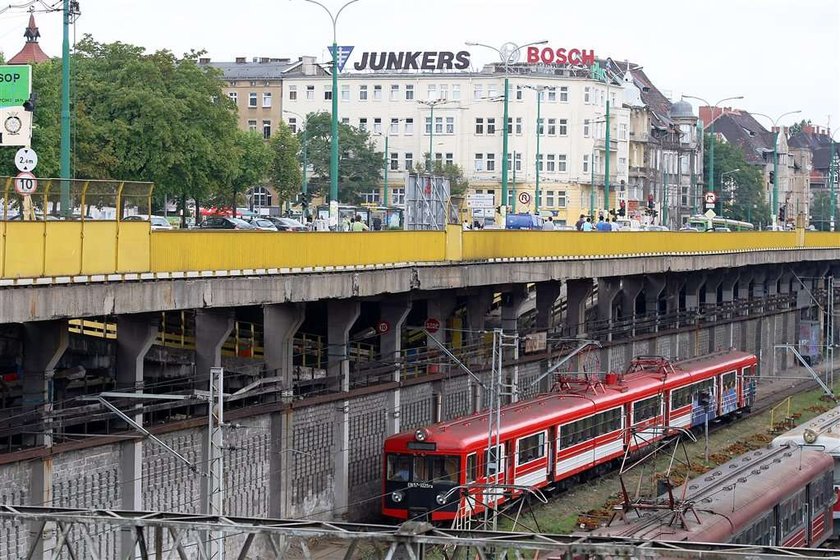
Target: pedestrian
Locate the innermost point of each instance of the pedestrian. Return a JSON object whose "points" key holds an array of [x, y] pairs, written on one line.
{"points": [[476, 224], [346, 223], [548, 225], [358, 224], [580, 222], [467, 225], [603, 225], [614, 225], [377, 223], [587, 225]]}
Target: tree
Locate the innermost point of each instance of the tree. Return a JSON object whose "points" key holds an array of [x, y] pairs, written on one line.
{"points": [[743, 193], [359, 166], [796, 128], [251, 167], [285, 172], [458, 184], [821, 211]]}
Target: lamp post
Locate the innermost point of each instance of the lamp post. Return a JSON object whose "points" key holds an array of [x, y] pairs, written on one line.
{"points": [[431, 104], [539, 90], [832, 180], [712, 133], [69, 11], [385, 168], [334, 119], [775, 198], [509, 54]]}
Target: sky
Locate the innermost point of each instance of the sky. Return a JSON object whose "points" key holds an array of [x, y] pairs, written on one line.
{"points": [[781, 55]]}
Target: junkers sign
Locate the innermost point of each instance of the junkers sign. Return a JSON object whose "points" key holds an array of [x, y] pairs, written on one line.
{"points": [[413, 60]]}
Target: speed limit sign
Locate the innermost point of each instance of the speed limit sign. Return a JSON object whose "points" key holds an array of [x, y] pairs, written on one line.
{"points": [[26, 183]]}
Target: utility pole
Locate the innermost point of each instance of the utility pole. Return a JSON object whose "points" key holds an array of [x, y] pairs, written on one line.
{"points": [[215, 464], [69, 10]]}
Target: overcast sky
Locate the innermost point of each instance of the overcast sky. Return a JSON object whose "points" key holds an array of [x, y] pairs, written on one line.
{"points": [[781, 55]]}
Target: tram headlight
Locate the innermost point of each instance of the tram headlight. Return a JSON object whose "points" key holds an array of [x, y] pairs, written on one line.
{"points": [[421, 434], [441, 499], [809, 435], [397, 496]]}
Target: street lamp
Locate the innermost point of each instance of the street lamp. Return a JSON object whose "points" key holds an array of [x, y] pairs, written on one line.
{"points": [[712, 133], [386, 136], [539, 90], [304, 187], [509, 54], [334, 120], [775, 201], [431, 104]]}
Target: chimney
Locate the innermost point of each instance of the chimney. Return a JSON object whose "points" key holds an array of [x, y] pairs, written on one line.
{"points": [[204, 61], [808, 129], [240, 60], [308, 66]]}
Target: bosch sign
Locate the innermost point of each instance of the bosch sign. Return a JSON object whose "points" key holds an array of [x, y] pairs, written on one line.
{"points": [[548, 55], [414, 60]]}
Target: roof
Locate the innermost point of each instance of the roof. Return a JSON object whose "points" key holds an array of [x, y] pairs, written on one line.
{"points": [[819, 144], [31, 53], [826, 430], [742, 130], [253, 70]]}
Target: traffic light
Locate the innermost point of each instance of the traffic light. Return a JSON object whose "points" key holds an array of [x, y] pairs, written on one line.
{"points": [[29, 104]]}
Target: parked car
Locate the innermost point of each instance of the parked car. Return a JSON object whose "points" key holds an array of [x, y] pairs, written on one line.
{"points": [[159, 223], [223, 222], [287, 224], [263, 224]]}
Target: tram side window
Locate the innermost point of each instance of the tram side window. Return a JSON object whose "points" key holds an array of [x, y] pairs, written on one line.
{"points": [[444, 468], [645, 409], [607, 421], [728, 381], [491, 463], [472, 467], [531, 448], [399, 468], [680, 397]]}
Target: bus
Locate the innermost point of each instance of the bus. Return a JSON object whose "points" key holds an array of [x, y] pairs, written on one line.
{"points": [[702, 223]]}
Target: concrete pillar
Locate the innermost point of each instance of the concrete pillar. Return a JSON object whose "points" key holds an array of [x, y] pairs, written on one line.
{"points": [[280, 324], [693, 283], [654, 285], [759, 291], [512, 301], [713, 281], [477, 305], [608, 289], [631, 287], [742, 291], [341, 455], [43, 345], [394, 312], [547, 294], [281, 464], [212, 329], [341, 315], [440, 307], [673, 286], [577, 293], [135, 336]]}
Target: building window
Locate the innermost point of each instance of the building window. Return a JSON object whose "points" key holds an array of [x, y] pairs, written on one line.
{"points": [[267, 99], [622, 131], [549, 198], [450, 125], [409, 92], [540, 162], [586, 95], [622, 162], [478, 91], [479, 162], [260, 197], [491, 125], [327, 93], [370, 197], [428, 125], [519, 93], [549, 164], [438, 125], [252, 126], [518, 125], [395, 92], [395, 161], [377, 93], [431, 92], [552, 127], [552, 94], [492, 91], [479, 125], [586, 128], [292, 93], [398, 196], [561, 163], [510, 125], [564, 127], [310, 93], [345, 92], [409, 161], [233, 97], [450, 158], [439, 159], [456, 92], [363, 93], [444, 91], [517, 161], [564, 94], [266, 129], [363, 124], [345, 120], [409, 126], [252, 99], [586, 163], [491, 162], [561, 199], [377, 126], [395, 126], [292, 122], [540, 127]]}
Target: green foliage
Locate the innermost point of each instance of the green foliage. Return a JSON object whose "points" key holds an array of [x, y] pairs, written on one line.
{"points": [[359, 167], [743, 193], [458, 184], [796, 128], [821, 211], [251, 157], [285, 169]]}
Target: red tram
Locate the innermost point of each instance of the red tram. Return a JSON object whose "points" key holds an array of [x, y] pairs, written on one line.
{"points": [[551, 439]]}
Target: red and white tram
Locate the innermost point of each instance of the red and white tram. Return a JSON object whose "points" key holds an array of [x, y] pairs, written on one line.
{"points": [[551, 439]]}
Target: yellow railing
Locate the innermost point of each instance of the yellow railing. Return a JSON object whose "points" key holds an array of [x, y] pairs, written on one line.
{"points": [[785, 422], [50, 249]]}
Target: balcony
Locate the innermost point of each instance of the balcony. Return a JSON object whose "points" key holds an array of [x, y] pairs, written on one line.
{"points": [[599, 180], [639, 136], [600, 143]]}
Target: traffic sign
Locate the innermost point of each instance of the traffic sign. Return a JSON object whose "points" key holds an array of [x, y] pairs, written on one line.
{"points": [[383, 327], [711, 198], [481, 201], [15, 85], [710, 214], [26, 183], [524, 197], [26, 159], [432, 325]]}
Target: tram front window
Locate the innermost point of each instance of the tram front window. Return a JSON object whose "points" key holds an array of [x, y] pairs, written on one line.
{"points": [[444, 469], [399, 468]]}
